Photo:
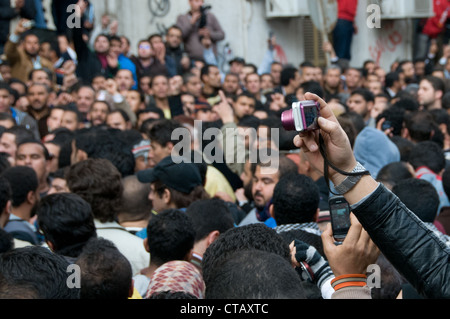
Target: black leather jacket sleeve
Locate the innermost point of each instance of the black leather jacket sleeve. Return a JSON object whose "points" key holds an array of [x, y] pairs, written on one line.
{"points": [[407, 243]]}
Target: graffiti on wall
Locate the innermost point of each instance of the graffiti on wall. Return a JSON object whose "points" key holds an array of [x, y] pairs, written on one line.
{"points": [[388, 40]]}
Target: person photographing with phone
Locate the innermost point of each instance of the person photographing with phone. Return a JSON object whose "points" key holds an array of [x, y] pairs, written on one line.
{"points": [[405, 241], [22, 51]]}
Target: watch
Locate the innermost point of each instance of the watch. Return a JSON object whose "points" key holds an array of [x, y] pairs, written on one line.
{"points": [[347, 185]]}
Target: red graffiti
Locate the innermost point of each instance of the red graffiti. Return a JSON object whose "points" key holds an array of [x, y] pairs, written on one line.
{"points": [[386, 42]]}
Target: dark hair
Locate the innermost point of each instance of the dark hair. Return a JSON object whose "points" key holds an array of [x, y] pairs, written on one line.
{"points": [[100, 143], [391, 78], [135, 204], [395, 115], [170, 236], [6, 241], [254, 236], [295, 200], [393, 173], [420, 125], [254, 274], [367, 95], [37, 142], [23, 179], [98, 182], [287, 74], [209, 215], [428, 154], [67, 222], [437, 83], [37, 270], [21, 133], [313, 87], [180, 199], [161, 131], [5, 193], [356, 119], [105, 272], [420, 196]]}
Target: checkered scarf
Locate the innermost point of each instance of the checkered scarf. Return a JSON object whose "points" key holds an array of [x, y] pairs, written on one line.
{"points": [[177, 276]]}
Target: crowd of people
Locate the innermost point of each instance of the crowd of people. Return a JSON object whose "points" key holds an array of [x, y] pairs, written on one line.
{"points": [[92, 178]]}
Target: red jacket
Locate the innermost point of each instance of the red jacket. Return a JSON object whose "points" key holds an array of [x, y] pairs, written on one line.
{"points": [[347, 9], [435, 25]]}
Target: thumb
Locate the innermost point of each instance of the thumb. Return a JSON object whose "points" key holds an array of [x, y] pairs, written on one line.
{"points": [[328, 126]]}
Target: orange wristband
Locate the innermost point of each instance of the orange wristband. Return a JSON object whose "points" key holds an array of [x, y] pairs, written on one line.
{"points": [[355, 280]]}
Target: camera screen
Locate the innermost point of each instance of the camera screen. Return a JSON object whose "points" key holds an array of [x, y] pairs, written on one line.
{"points": [[340, 215], [311, 114]]}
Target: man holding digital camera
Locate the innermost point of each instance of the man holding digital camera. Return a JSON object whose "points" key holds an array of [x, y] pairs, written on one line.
{"points": [[199, 22]]}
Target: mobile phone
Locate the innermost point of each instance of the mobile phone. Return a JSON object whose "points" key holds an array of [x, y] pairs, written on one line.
{"points": [[29, 24], [386, 126], [340, 217]]}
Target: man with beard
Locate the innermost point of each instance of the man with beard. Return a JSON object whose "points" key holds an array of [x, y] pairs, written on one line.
{"points": [[264, 180], [25, 196], [98, 113], [38, 95]]}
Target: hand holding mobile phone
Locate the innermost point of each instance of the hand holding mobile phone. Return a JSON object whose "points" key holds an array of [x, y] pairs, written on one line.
{"points": [[340, 217]]}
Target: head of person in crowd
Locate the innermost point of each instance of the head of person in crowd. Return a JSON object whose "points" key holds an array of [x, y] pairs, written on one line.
{"points": [[99, 183], [105, 272], [290, 79], [124, 80], [5, 201], [85, 97], [231, 84], [5, 97], [361, 101], [98, 113], [307, 71], [118, 119], [7, 120], [420, 197], [67, 223], [102, 44], [212, 81], [393, 173], [431, 91], [244, 104], [162, 144], [254, 274], [367, 150], [177, 278], [149, 114], [192, 84], [254, 236], [34, 154], [38, 96], [170, 236], [135, 99], [59, 183], [353, 78], [210, 218], [265, 179], [36, 273], [428, 154], [103, 143], [295, 200], [174, 184], [72, 118], [420, 126], [11, 138], [406, 68], [136, 208], [54, 119]]}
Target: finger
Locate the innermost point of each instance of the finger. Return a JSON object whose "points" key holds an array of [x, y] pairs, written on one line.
{"points": [[325, 110], [355, 230], [327, 238]]}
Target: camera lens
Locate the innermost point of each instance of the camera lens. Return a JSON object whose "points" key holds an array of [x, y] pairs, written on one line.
{"points": [[287, 119]]}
